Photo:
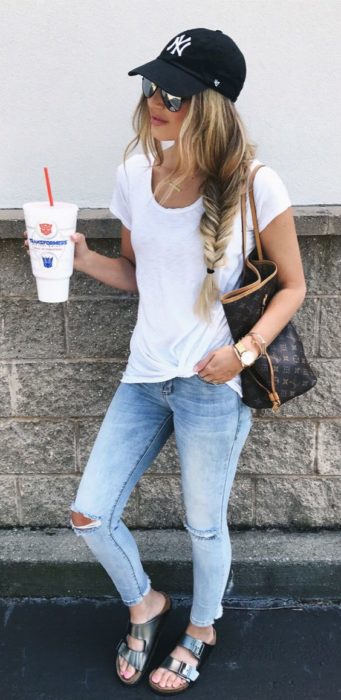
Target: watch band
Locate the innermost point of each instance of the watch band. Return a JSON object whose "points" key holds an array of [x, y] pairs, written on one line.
{"points": [[238, 355]]}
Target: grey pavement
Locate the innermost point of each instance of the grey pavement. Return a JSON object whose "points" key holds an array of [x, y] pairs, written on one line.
{"points": [[63, 649], [279, 638]]}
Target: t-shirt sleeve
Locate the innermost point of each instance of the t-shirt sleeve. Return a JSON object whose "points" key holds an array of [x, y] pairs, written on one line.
{"points": [[120, 205], [271, 196]]}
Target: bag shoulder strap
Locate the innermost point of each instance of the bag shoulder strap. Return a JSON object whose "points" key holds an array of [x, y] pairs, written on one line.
{"points": [[251, 178]]}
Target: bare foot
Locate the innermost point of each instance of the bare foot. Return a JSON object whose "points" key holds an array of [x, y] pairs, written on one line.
{"points": [[153, 604], [168, 679]]}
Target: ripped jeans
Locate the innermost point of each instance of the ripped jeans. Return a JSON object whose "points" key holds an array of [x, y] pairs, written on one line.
{"points": [[211, 424]]}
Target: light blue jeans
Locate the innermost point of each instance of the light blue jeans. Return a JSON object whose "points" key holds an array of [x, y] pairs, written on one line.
{"points": [[211, 424]]}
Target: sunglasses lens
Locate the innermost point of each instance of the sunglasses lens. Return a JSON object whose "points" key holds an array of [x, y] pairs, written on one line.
{"points": [[172, 102], [148, 88]]}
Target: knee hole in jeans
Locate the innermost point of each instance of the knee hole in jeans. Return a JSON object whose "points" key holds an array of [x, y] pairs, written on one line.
{"points": [[211, 534], [83, 522]]}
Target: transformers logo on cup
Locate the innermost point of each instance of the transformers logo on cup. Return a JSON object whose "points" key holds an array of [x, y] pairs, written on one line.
{"points": [[44, 243], [48, 261], [47, 229]]}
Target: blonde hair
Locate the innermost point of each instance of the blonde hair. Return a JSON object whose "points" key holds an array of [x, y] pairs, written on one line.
{"points": [[212, 141]]}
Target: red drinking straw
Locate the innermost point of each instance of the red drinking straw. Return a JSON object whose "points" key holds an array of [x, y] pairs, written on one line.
{"points": [[49, 191]]}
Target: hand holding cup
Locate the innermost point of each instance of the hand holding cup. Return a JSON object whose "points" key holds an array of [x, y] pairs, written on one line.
{"points": [[82, 252]]}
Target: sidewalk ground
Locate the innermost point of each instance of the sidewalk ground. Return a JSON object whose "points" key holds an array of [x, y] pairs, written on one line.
{"points": [[268, 649]]}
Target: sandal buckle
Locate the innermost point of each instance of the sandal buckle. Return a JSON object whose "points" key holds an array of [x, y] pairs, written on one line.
{"points": [[194, 644], [198, 647], [187, 671]]}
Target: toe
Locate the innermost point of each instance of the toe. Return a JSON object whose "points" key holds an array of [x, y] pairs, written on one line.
{"points": [[170, 680], [130, 670], [177, 682], [164, 680], [162, 675], [156, 676], [167, 679]]}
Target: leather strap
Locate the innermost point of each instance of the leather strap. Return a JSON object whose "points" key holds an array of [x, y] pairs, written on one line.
{"points": [[139, 630], [251, 178], [184, 670], [273, 395], [196, 646], [134, 657]]}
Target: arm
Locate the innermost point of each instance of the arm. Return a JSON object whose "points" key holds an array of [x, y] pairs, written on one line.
{"points": [[280, 244], [115, 272]]}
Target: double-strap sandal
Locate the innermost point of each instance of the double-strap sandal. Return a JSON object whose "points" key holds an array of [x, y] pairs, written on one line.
{"points": [[149, 633], [201, 651]]}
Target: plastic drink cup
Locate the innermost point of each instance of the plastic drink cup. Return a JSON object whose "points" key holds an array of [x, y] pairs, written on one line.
{"points": [[51, 248]]}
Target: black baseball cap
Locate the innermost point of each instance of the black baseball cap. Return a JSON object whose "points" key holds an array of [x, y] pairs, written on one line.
{"points": [[195, 60]]}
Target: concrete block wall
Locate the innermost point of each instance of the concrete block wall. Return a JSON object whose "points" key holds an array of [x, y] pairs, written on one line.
{"points": [[61, 363]]}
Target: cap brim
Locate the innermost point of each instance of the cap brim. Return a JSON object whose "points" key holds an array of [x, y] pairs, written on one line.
{"points": [[170, 78]]}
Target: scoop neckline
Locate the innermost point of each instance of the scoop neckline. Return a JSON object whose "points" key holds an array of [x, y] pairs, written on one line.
{"points": [[171, 210]]}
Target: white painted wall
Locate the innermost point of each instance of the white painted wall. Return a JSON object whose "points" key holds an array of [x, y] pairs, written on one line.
{"points": [[67, 101]]}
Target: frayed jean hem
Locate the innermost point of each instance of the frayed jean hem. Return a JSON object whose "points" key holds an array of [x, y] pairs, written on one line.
{"points": [[138, 600], [199, 623]]}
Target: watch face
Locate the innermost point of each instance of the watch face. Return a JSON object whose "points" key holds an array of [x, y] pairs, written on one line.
{"points": [[248, 357]]}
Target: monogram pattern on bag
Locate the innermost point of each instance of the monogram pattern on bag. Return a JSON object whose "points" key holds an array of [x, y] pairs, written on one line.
{"points": [[293, 374]]}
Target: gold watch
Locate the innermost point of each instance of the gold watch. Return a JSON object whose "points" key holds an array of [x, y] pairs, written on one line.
{"points": [[246, 357]]}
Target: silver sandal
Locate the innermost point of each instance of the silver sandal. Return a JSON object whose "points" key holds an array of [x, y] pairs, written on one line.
{"points": [[201, 651], [149, 633]]}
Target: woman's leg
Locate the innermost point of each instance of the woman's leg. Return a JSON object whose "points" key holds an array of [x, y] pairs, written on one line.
{"points": [[209, 444], [136, 426], [211, 425]]}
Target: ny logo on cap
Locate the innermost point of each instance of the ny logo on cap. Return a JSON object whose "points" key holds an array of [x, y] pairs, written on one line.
{"points": [[179, 44]]}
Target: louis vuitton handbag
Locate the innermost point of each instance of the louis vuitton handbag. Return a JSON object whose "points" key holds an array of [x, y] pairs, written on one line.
{"points": [[282, 372]]}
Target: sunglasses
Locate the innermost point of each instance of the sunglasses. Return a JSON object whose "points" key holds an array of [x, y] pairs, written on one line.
{"points": [[172, 102]]}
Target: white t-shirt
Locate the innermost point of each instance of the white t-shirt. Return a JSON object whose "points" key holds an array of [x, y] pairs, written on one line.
{"points": [[168, 338]]}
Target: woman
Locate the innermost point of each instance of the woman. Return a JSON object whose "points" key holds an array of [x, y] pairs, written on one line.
{"points": [[181, 249]]}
